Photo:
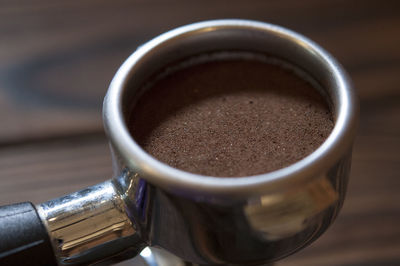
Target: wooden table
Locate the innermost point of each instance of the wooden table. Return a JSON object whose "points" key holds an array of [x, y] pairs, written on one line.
{"points": [[57, 59]]}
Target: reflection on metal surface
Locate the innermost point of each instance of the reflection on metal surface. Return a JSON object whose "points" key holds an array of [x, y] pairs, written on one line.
{"points": [[254, 229], [148, 256], [281, 215], [84, 224], [159, 257]]}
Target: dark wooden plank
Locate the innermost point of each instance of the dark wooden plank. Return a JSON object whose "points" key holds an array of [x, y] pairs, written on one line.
{"points": [[56, 60], [366, 230]]}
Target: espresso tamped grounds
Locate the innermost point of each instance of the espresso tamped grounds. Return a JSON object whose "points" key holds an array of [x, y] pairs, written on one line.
{"points": [[231, 118]]}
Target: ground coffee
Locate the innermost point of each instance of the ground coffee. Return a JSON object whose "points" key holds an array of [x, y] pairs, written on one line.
{"points": [[230, 117]]}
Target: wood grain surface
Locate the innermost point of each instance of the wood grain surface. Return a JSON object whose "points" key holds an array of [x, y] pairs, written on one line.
{"points": [[57, 59]]}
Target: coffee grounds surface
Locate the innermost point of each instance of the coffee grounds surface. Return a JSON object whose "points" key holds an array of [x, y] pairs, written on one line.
{"points": [[231, 118]]}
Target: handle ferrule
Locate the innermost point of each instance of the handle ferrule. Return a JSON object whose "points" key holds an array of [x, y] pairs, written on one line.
{"points": [[91, 226]]}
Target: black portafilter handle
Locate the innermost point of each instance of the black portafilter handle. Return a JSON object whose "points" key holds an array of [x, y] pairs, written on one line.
{"points": [[23, 237]]}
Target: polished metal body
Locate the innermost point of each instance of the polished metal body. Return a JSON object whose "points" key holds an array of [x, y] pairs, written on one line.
{"points": [[202, 219]]}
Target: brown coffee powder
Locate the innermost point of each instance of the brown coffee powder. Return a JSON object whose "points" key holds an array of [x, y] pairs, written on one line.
{"points": [[231, 118]]}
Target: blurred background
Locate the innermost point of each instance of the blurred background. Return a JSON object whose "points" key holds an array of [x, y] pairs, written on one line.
{"points": [[57, 59]]}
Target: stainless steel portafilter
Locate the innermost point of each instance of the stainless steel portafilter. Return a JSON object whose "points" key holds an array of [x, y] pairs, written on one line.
{"points": [[201, 219]]}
